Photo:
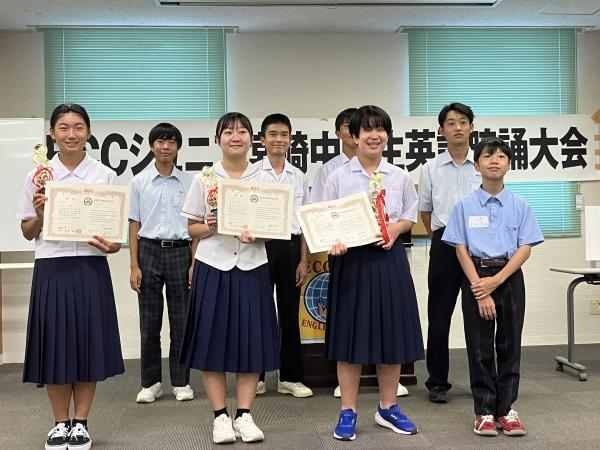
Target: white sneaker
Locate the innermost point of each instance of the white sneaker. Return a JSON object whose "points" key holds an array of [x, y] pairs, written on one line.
{"points": [[402, 391], [245, 428], [296, 389], [261, 388], [223, 430], [183, 393], [148, 395], [337, 392]]}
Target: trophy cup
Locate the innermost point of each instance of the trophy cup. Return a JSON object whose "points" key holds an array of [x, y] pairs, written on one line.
{"points": [[210, 183], [43, 172]]}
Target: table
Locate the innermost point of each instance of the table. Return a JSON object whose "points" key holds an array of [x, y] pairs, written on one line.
{"points": [[590, 275]]}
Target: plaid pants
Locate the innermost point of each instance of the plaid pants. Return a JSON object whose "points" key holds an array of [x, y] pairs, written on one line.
{"points": [[162, 267]]}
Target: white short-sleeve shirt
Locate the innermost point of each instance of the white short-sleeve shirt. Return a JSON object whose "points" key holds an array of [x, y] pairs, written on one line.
{"points": [[443, 183], [221, 251], [89, 171], [323, 172], [290, 175], [156, 203], [401, 201]]}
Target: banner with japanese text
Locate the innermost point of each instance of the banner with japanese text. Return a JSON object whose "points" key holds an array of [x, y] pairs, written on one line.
{"points": [[544, 147]]}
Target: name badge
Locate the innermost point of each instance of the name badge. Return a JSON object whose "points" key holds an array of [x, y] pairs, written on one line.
{"points": [[177, 201], [478, 222]]}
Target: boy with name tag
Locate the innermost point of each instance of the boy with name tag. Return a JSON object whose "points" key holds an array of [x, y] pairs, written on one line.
{"points": [[493, 231], [161, 251]]}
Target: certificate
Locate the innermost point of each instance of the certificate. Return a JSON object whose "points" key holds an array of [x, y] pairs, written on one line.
{"points": [[77, 212], [264, 208], [349, 220]]}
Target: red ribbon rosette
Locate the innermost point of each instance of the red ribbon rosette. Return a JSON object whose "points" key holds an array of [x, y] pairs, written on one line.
{"points": [[382, 216]]}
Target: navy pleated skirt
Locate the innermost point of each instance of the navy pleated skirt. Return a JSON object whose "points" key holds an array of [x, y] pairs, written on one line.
{"points": [[231, 324], [373, 317], [72, 331]]}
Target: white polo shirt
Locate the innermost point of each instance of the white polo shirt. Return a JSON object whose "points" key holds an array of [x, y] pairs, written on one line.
{"points": [[221, 251], [89, 171], [401, 199], [290, 175]]}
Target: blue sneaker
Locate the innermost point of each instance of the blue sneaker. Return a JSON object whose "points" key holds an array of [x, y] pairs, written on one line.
{"points": [[346, 427], [394, 419]]}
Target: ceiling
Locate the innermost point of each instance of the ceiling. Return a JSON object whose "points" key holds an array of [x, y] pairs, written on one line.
{"points": [[333, 18]]}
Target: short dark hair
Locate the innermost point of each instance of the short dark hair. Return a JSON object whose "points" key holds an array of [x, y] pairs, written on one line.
{"points": [[344, 117], [368, 117], [65, 108], [275, 118], [490, 145], [459, 108], [165, 131], [229, 120]]}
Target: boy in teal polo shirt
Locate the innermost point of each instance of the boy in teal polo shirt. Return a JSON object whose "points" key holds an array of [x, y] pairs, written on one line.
{"points": [[493, 231]]}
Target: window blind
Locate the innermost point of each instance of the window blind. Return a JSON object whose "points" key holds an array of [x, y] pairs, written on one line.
{"points": [[496, 71], [137, 73]]}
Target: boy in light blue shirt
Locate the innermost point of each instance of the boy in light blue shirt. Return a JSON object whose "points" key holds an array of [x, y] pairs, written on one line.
{"points": [[493, 231]]}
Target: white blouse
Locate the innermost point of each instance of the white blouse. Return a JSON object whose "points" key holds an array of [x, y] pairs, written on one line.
{"points": [[221, 251]]}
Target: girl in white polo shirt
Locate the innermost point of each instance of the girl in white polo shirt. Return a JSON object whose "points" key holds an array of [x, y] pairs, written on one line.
{"points": [[231, 323], [373, 316], [72, 331]]}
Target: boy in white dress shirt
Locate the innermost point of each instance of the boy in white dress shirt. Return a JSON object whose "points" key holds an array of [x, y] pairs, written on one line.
{"points": [[287, 259]]}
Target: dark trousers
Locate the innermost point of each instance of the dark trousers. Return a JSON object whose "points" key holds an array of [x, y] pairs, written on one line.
{"points": [[444, 279], [162, 267], [284, 257], [495, 381]]}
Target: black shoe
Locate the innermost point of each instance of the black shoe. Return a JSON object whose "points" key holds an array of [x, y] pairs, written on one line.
{"points": [[438, 394], [79, 438], [58, 437]]}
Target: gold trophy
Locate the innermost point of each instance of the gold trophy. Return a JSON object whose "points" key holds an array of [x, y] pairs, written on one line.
{"points": [[43, 172], [209, 180]]}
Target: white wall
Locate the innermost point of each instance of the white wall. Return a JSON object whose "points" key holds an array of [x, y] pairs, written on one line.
{"points": [[22, 74], [315, 76], [588, 72]]}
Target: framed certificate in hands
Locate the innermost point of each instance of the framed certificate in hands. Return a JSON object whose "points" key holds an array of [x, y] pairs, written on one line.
{"points": [[77, 212], [349, 220], [265, 209]]}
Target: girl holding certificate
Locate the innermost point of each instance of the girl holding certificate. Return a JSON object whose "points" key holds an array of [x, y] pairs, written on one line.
{"points": [[373, 316], [231, 324], [72, 331]]}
